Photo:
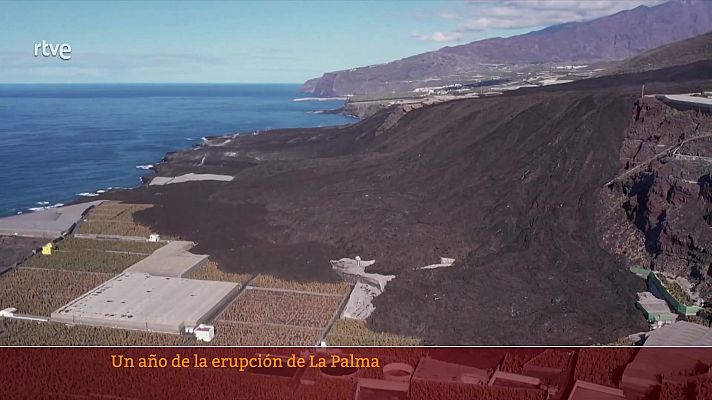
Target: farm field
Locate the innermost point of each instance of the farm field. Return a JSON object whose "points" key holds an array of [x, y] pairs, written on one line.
{"points": [[114, 219], [128, 246], [41, 291], [350, 332], [86, 255], [603, 366], [269, 281], [426, 390], [30, 333], [285, 308], [229, 333], [212, 272]]}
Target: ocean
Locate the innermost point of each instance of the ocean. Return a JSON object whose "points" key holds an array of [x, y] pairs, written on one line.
{"points": [[61, 141]]}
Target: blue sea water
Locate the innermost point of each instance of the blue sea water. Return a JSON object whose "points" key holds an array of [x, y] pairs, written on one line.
{"points": [[57, 141]]}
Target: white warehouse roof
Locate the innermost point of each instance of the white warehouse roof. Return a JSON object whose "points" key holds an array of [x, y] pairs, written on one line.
{"points": [[149, 303]]}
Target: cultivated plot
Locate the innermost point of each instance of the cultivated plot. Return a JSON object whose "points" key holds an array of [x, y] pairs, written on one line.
{"points": [[229, 333], [114, 219], [88, 255], [269, 281], [283, 308], [30, 333], [41, 291], [350, 332]]}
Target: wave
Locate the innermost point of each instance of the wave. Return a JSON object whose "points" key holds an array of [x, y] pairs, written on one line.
{"points": [[320, 99], [87, 194], [147, 166], [45, 207]]}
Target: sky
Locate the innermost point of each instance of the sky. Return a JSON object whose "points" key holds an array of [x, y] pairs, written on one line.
{"points": [[255, 41]]}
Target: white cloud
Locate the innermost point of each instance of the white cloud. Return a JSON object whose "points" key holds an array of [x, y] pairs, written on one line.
{"points": [[438, 36], [521, 14]]}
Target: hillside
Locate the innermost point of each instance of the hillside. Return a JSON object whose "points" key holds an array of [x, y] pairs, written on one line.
{"points": [[614, 37], [684, 52], [509, 186]]}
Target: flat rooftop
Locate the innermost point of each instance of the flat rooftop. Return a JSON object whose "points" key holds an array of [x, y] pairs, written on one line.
{"points": [[50, 223], [652, 304], [172, 260], [190, 177], [680, 333], [687, 100], [644, 372], [149, 303]]}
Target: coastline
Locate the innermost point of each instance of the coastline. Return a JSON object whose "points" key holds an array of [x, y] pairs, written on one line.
{"points": [[408, 187], [108, 147]]}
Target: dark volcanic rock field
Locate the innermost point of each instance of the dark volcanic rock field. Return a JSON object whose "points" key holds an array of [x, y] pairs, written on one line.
{"points": [[14, 249], [513, 187]]}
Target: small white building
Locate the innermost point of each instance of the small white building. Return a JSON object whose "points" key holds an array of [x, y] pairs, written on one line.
{"points": [[154, 237], [204, 333], [8, 312]]}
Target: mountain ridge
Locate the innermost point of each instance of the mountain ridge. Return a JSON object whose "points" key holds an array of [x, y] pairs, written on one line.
{"points": [[683, 52], [615, 37]]}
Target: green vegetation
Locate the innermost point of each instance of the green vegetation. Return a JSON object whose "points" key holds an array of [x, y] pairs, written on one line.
{"points": [[85, 262], [76, 244], [269, 281], [30, 333], [350, 332], [284, 308], [676, 291], [229, 333], [114, 219], [89, 255], [41, 291]]}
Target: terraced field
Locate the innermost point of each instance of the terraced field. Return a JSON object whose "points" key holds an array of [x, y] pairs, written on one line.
{"points": [[88, 255], [114, 219], [41, 291], [269, 281], [349, 332], [283, 308], [230, 333], [29, 333], [276, 316]]}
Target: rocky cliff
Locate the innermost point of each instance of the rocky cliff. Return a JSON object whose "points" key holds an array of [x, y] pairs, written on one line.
{"points": [[666, 160]]}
